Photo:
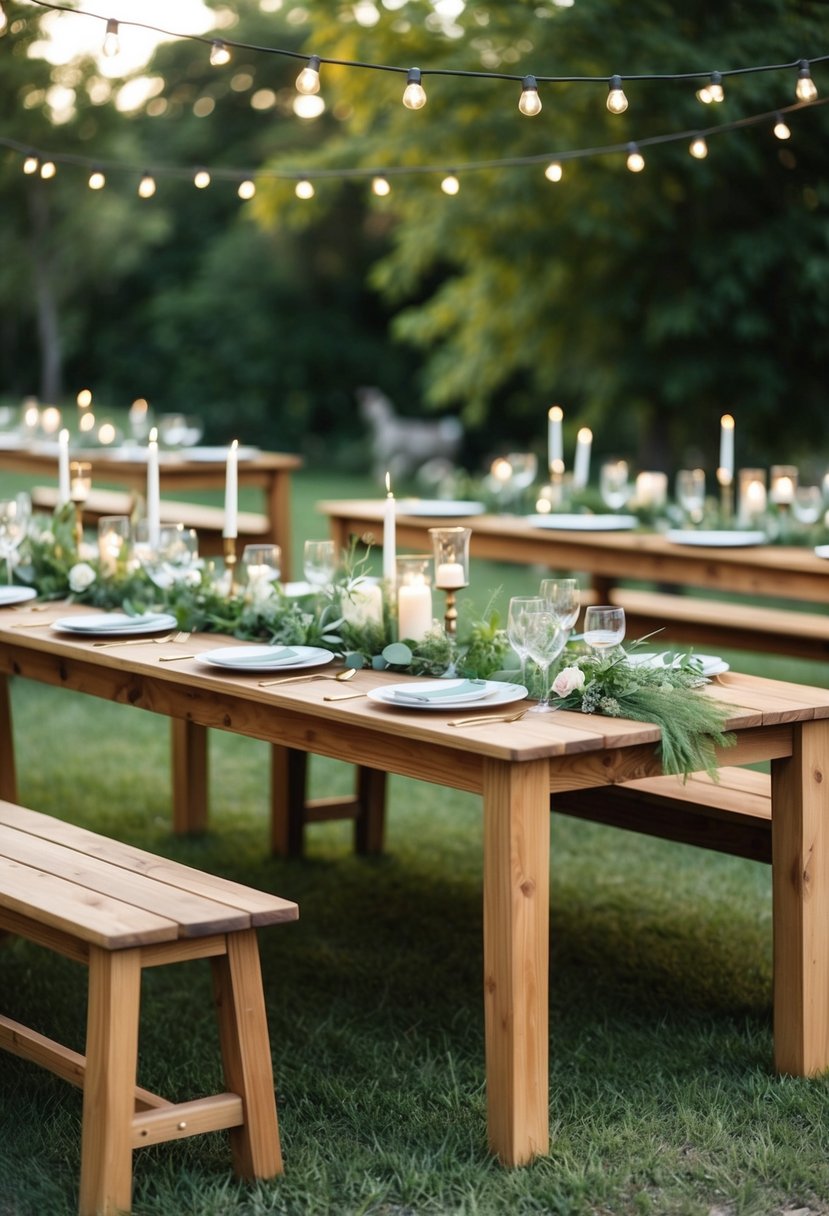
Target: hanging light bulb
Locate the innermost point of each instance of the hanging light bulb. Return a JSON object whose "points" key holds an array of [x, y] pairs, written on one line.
{"points": [[308, 81], [219, 54], [201, 179], [781, 128], [304, 188], [414, 95], [112, 42], [247, 189], [31, 165], [704, 95], [97, 181], [48, 169], [450, 184], [529, 102], [146, 187], [698, 148], [806, 89], [635, 161], [617, 103], [380, 187], [554, 172], [715, 88]]}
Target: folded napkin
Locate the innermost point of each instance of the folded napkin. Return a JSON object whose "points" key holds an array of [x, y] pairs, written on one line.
{"points": [[452, 690], [276, 654]]}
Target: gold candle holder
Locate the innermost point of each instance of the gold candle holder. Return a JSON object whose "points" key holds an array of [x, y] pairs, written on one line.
{"points": [[451, 547], [80, 483], [229, 543]]}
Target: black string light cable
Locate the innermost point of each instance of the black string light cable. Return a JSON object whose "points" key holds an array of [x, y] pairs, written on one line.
{"points": [[35, 160]]}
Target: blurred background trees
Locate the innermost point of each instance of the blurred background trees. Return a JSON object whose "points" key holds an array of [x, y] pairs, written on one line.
{"points": [[646, 304]]}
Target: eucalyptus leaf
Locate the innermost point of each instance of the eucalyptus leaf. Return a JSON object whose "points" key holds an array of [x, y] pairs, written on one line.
{"points": [[397, 654]]}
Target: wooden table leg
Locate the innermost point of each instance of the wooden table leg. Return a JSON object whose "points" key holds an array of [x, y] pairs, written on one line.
{"points": [[189, 757], [516, 957], [800, 886], [279, 514], [8, 780], [289, 772]]}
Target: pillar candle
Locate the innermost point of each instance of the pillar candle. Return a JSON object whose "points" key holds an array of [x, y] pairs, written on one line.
{"points": [[555, 457], [63, 468], [389, 538], [231, 526], [726, 468], [153, 494], [581, 466], [449, 575], [414, 611]]}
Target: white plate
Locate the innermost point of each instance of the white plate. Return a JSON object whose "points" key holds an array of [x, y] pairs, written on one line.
{"points": [[16, 595], [215, 455], [583, 523], [116, 622], [497, 694], [265, 658], [715, 538], [708, 664], [438, 507], [822, 551], [9, 441]]}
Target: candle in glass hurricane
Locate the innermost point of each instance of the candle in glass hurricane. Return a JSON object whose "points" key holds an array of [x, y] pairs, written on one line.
{"points": [[782, 484], [451, 549], [752, 500], [414, 597], [113, 542]]}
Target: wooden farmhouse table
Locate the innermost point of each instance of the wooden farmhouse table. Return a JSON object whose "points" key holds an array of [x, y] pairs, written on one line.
{"points": [[514, 767], [269, 472]]}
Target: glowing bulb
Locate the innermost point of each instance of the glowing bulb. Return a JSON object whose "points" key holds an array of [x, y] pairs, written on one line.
{"points": [[219, 54], [554, 172], [806, 89], [146, 187], [529, 102], [380, 187], [704, 95], [246, 189], [715, 87], [304, 189], [617, 103], [31, 164], [84, 398], [781, 128], [97, 181], [202, 179], [87, 422], [450, 184], [4, 21], [635, 161], [308, 81], [698, 148], [106, 433], [48, 169], [414, 96], [112, 43]]}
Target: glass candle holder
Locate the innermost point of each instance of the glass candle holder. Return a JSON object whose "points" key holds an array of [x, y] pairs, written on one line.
{"points": [[414, 597], [651, 489], [80, 483], [451, 549], [113, 542], [782, 484], [752, 495], [261, 565]]}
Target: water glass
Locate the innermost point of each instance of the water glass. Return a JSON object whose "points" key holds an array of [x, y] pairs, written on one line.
{"points": [[113, 542], [614, 484], [319, 562], [563, 598], [14, 520], [807, 504], [262, 565], [604, 627], [521, 607], [173, 559], [690, 493], [545, 639]]}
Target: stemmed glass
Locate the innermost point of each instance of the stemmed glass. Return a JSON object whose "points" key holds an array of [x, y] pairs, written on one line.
{"points": [[604, 627], [173, 559], [545, 640], [690, 492], [614, 484], [521, 607], [319, 562], [563, 598], [14, 519], [262, 565]]}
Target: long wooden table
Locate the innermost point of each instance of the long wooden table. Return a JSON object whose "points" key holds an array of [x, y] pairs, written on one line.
{"points": [[515, 768], [269, 472]]}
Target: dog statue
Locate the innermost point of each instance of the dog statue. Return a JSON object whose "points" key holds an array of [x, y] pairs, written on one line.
{"points": [[401, 445]]}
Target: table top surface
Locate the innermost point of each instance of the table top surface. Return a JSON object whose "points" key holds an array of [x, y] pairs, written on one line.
{"points": [[133, 460]]}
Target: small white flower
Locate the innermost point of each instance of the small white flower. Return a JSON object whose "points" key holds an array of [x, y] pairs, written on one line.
{"points": [[46, 538], [81, 576], [569, 679]]}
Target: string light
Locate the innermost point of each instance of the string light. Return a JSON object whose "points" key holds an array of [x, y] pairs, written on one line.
{"points": [[97, 181], [146, 187], [112, 42], [48, 169], [806, 88], [713, 91], [698, 148], [781, 128], [554, 172], [201, 180], [308, 81], [617, 103], [219, 54], [31, 165], [414, 95], [635, 160], [450, 184], [529, 102], [304, 188], [247, 189], [380, 186]]}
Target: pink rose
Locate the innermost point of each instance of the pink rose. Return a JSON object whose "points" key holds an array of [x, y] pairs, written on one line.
{"points": [[568, 680]]}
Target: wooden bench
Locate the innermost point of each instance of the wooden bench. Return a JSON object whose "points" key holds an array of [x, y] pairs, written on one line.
{"points": [[731, 815], [720, 623], [208, 521], [119, 909]]}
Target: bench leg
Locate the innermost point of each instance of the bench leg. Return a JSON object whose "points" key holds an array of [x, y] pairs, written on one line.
{"points": [[189, 762], [8, 779], [246, 1056], [109, 1084]]}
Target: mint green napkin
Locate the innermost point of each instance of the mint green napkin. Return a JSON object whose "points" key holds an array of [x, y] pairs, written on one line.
{"points": [[466, 690]]}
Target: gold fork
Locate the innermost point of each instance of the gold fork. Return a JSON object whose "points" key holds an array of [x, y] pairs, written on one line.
{"points": [[483, 721], [179, 636]]}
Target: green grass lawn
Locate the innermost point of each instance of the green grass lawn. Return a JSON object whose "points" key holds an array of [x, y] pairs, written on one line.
{"points": [[662, 1097]]}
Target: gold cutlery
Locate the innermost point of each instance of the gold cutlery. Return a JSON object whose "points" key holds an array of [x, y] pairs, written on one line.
{"points": [[345, 696], [484, 721], [180, 636], [346, 674]]}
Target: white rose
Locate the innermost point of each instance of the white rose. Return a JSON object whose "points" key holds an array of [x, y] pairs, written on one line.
{"points": [[568, 680], [81, 576]]}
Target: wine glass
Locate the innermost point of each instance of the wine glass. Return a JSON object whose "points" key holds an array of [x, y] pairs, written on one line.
{"points": [[545, 638], [604, 627], [173, 559], [520, 609], [690, 492], [319, 562], [262, 565], [563, 598], [14, 519], [807, 504], [614, 484]]}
